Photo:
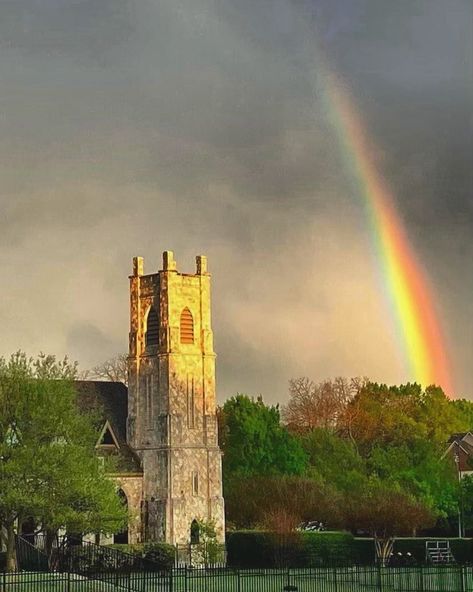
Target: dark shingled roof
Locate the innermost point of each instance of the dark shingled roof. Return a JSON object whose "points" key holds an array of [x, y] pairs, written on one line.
{"points": [[110, 401], [457, 437]]}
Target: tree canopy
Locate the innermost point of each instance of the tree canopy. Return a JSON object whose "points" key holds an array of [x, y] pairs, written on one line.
{"points": [[49, 470], [344, 439], [254, 441]]}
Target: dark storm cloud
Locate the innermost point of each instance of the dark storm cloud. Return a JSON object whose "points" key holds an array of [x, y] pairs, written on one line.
{"points": [[129, 127]]}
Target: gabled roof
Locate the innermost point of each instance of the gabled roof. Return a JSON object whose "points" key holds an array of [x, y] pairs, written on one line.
{"points": [[457, 437], [461, 446], [110, 401]]}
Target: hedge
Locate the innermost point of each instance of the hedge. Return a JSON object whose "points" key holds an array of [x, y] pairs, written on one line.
{"points": [[247, 549], [161, 554], [266, 549]]}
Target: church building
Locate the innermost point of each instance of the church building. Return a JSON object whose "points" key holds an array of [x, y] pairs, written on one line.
{"points": [[163, 428]]}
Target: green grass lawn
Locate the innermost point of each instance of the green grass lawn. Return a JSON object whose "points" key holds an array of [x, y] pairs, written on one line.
{"points": [[335, 580]]}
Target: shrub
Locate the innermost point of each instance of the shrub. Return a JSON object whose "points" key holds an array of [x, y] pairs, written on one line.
{"points": [[160, 556], [328, 548], [247, 549], [297, 549], [364, 552]]}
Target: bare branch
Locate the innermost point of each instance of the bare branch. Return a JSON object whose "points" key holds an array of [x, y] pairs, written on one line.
{"points": [[114, 370]]}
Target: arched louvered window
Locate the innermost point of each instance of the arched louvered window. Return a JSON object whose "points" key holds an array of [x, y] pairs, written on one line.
{"points": [[152, 328], [187, 326]]}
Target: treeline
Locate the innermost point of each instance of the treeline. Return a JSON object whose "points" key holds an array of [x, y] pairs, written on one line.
{"points": [[346, 453]]}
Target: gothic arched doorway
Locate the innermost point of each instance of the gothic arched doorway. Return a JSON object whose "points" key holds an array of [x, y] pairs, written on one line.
{"points": [[195, 532], [121, 538]]}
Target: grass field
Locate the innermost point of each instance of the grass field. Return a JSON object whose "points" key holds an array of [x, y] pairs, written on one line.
{"points": [[322, 580]]}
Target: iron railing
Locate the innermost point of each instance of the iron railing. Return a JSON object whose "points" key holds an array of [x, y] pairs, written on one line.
{"points": [[355, 579], [29, 557], [201, 555], [89, 558]]}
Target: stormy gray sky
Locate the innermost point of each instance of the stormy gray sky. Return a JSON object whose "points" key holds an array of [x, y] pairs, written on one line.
{"points": [[128, 127]]}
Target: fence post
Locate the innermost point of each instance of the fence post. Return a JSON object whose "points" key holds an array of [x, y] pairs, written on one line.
{"points": [[462, 578], [380, 578], [171, 574], [68, 581], [421, 578], [239, 582]]}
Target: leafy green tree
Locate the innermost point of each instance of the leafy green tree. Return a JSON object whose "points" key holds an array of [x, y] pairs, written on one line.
{"points": [[334, 460], [417, 467], [255, 443], [379, 415], [464, 408], [466, 502], [48, 467]]}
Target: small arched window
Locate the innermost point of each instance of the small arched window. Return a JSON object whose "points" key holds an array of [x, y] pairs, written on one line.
{"points": [[187, 326], [152, 328]]}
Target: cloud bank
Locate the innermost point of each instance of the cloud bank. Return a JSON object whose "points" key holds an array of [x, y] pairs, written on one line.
{"points": [[130, 127]]}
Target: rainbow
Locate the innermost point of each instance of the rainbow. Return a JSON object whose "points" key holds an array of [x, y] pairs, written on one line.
{"points": [[406, 282]]}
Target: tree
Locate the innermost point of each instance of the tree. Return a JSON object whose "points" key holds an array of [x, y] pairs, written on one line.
{"points": [[417, 467], [385, 512], [466, 506], [313, 405], [379, 415], [333, 460], [48, 469], [464, 408], [114, 369], [254, 442], [281, 502]]}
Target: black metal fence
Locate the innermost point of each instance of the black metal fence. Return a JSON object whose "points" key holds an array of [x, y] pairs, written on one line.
{"points": [[29, 557], [355, 579], [201, 554], [89, 558]]}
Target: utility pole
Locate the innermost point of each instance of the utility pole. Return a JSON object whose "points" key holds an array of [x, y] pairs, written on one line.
{"points": [[460, 505]]}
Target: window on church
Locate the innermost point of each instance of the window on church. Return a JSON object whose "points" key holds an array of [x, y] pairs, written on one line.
{"points": [[187, 326], [152, 328], [107, 439], [195, 483]]}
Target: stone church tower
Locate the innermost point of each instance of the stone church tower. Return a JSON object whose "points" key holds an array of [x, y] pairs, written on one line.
{"points": [[171, 423]]}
